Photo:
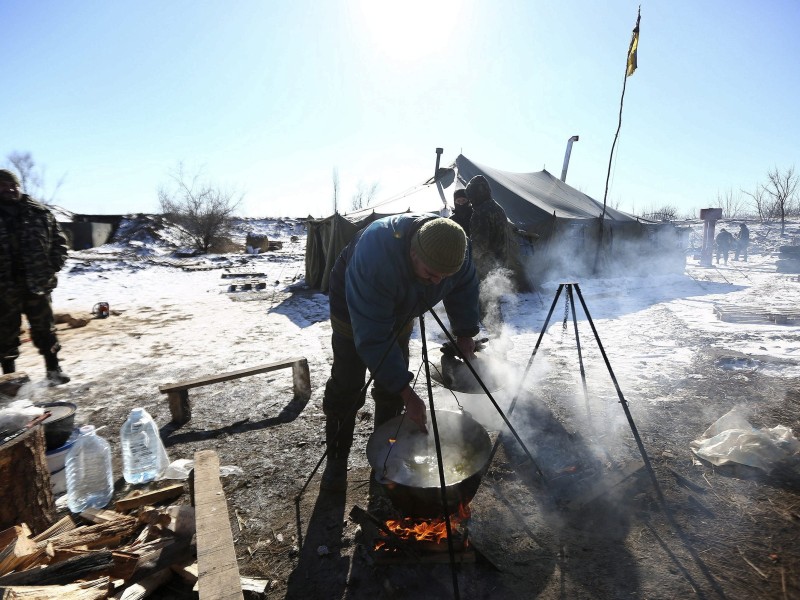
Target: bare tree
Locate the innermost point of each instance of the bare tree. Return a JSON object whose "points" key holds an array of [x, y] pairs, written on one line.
{"points": [[201, 209], [782, 188], [761, 202], [31, 178], [664, 213], [335, 190], [364, 195], [731, 204]]}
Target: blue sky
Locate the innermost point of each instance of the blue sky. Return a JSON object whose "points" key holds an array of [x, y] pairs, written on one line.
{"points": [[269, 97]]}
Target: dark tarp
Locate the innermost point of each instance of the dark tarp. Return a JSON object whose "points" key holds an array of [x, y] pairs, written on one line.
{"points": [[326, 239], [554, 229]]}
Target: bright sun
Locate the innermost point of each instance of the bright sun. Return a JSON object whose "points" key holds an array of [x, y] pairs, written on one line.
{"points": [[409, 30]]}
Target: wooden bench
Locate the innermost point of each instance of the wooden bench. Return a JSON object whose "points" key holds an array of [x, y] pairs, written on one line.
{"points": [[178, 393]]}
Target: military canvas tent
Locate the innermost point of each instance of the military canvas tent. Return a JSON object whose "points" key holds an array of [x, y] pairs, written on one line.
{"points": [[554, 230]]}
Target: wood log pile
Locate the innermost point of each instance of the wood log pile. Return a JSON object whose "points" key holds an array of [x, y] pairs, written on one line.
{"points": [[124, 554]]}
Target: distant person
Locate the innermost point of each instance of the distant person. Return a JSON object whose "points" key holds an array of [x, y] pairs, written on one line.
{"points": [[462, 211], [488, 229], [389, 273], [32, 250], [743, 240], [724, 241]]}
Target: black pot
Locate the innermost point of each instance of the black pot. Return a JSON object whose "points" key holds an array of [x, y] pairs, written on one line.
{"points": [[59, 425], [406, 464]]}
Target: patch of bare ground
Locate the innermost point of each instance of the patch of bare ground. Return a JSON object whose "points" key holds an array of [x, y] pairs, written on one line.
{"points": [[556, 521]]}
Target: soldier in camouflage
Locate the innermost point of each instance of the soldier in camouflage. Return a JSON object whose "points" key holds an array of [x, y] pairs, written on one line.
{"points": [[32, 250], [488, 229]]}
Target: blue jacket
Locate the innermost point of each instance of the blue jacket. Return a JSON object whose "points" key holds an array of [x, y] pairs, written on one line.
{"points": [[373, 291]]}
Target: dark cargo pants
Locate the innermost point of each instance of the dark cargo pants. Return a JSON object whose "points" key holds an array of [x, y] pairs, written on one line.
{"points": [[343, 397], [39, 312]]}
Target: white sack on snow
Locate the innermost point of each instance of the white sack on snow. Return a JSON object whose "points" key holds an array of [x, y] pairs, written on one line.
{"points": [[732, 439]]}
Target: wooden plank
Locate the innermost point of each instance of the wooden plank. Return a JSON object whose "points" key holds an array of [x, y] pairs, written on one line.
{"points": [[301, 380], [179, 406], [208, 380], [139, 498], [218, 571]]}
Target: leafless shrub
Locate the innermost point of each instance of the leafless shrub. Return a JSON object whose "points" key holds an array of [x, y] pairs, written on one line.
{"points": [[202, 210], [732, 204], [364, 195], [782, 188], [664, 213], [32, 177]]}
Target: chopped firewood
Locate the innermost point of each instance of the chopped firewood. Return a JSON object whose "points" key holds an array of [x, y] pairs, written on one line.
{"points": [[103, 535], [139, 498], [84, 590], [186, 570], [79, 567], [124, 563], [18, 548], [158, 557], [12, 533], [182, 521], [144, 547], [61, 526], [43, 556], [154, 516], [101, 515], [147, 534], [254, 588], [145, 587]]}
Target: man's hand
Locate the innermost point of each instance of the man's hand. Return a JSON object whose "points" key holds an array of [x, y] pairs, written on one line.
{"points": [[467, 347], [415, 408]]}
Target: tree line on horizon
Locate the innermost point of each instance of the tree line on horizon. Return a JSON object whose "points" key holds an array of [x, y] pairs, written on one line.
{"points": [[203, 209]]}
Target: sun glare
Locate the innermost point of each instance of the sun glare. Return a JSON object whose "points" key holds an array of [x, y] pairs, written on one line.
{"points": [[410, 30]]}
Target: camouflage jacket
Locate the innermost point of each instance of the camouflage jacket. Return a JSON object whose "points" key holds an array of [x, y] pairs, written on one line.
{"points": [[489, 232], [32, 248]]}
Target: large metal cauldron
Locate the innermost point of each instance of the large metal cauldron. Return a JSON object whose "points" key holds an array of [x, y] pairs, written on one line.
{"points": [[405, 462]]}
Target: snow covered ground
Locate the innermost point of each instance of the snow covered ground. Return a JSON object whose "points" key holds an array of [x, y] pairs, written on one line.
{"points": [[679, 366], [179, 323]]}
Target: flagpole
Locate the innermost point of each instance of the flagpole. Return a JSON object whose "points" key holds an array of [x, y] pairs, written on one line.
{"points": [[630, 67]]}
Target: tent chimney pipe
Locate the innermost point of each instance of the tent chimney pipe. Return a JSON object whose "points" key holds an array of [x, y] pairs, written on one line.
{"points": [[438, 158], [574, 138]]}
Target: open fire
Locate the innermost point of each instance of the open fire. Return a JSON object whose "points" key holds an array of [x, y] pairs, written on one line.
{"points": [[431, 534]]}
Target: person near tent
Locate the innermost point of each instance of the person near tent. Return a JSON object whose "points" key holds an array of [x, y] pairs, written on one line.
{"points": [[742, 241], [489, 235], [724, 241], [32, 250], [389, 273], [462, 209]]}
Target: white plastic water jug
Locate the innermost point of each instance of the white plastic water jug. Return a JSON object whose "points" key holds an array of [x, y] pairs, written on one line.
{"points": [[143, 455], [90, 480]]}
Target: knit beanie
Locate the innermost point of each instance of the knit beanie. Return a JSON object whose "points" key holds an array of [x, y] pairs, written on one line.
{"points": [[6, 175], [478, 190], [441, 244], [460, 193]]}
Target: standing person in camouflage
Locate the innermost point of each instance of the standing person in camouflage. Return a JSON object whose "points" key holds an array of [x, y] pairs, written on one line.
{"points": [[462, 211], [488, 229], [32, 250]]}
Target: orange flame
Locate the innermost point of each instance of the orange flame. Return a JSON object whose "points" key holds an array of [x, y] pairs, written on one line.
{"points": [[425, 530]]}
